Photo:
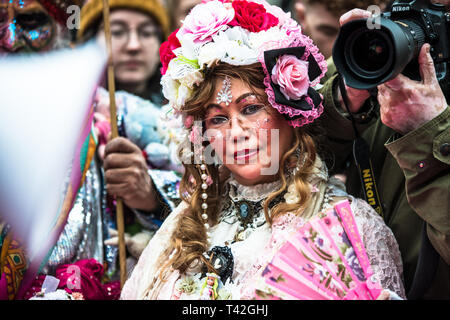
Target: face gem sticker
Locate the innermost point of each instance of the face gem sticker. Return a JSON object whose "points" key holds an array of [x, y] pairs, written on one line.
{"points": [[224, 95]]}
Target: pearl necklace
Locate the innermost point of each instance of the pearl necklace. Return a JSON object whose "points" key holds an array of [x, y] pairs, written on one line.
{"points": [[204, 176]]}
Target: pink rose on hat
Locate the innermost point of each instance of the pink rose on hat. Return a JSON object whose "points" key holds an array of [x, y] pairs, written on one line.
{"points": [[204, 21], [291, 74]]}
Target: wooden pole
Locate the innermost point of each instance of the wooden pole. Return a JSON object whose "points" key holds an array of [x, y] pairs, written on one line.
{"points": [[114, 134]]}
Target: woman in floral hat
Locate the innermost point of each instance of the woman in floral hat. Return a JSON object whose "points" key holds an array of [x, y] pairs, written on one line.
{"points": [[241, 75]]}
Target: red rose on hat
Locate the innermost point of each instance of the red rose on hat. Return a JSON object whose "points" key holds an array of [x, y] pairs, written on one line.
{"points": [[252, 16], [166, 50]]}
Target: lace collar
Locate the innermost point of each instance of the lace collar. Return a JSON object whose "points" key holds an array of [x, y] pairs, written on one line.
{"points": [[238, 192]]}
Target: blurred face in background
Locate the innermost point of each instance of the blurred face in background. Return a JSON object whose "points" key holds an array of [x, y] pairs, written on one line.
{"points": [[135, 41], [25, 26], [321, 25], [182, 10]]}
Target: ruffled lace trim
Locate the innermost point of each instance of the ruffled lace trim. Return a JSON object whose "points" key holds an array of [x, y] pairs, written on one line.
{"points": [[252, 193]]}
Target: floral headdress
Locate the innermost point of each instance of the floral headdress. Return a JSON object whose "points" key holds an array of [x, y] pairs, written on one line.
{"points": [[243, 32]]}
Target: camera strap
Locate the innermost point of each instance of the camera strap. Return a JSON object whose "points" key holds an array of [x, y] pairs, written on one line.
{"points": [[361, 155]]}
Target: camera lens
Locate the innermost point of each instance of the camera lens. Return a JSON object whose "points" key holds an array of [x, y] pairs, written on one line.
{"points": [[371, 53], [367, 56]]}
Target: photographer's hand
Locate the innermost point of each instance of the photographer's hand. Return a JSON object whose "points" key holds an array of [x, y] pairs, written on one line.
{"points": [[405, 104]]}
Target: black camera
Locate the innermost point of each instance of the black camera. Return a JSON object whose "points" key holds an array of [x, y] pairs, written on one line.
{"points": [[371, 51]]}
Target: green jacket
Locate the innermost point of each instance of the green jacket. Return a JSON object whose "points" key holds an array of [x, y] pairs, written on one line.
{"points": [[413, 178]]}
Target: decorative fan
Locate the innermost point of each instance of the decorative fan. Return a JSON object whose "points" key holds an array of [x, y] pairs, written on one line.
{"points": [[324, 260]]}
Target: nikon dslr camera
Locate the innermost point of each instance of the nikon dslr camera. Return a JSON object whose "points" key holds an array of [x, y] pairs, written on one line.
{"points": [[371, 51]]}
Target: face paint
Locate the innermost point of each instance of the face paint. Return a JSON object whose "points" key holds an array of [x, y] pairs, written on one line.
{"points": [[25, 26], [263, 124]]}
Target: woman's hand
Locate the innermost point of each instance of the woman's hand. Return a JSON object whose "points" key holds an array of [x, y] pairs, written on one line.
{"points": [[126, 174]]}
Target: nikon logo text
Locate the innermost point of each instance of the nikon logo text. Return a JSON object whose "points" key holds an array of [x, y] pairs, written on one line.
{"points": [[401, 8], [368, 183]]}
